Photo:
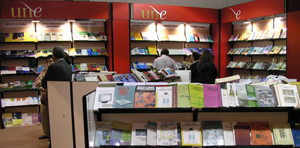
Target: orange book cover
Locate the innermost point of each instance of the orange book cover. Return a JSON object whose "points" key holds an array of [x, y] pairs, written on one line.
{"points": [[261, 133]]}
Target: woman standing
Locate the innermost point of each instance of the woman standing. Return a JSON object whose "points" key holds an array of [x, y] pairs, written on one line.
{"points": [[207, 71]]}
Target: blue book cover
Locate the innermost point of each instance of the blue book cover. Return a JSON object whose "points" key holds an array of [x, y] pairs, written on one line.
{"points": [[104, 67], [137, 65], [123, 78], [124, 96], [129, 78], [295, 127], [120, 134], [141, 51], [90, 51], [191, 37], [117, 79], [251, 49], [134, 77]]}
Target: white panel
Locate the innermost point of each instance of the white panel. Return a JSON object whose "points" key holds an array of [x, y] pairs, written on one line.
{"points": [[60, 114]]}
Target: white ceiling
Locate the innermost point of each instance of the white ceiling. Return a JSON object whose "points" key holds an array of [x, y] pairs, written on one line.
{"points": [[215, 4]]}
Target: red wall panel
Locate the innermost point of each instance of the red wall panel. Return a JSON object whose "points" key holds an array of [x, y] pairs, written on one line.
{"points": [[215, 46], [293, 51], [109, 44], [121, 46], [121, 11], [226, 31]]}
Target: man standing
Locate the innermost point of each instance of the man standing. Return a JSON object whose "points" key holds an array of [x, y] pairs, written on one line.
{"points": [[164, 61], [59, 71]]}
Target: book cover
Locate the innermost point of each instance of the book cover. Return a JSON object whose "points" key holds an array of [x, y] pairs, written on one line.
{"points": [[7, 119], [264, 95], [54, 36], [151, 133], [212, 132], [124, 97], [120, 134], [283, 33], [145, 96], [282, 134], [139, 134], [295, 127], [72, 51], [228, 133], [149, 36], [183, 96], [117, 78], [196, 95], [104, 97], [129, 78], [35, 118], [211, 98], [261, 133], [27, 119], [137, 36], [110, 78], [191, 38], [232, 94], [191, 134], [167, 133], [152, 49], [164, 97], [288, 95], [242, 134], [103, 133], [95, 51], [275, 50], [78, 52], [90, 52]]}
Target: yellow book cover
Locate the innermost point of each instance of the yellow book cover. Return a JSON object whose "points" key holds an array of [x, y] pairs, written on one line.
{"points": [[72, 51], [166, 37], [7, 119], [138, 36], [196, 95], [242, 37], [191, 134], [152, 50], [8, 37], [280, 129], [298, 86], [30, 37], [132, 36]]}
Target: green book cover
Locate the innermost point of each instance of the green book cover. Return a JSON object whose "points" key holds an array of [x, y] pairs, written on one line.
{"points": [[252, 101], [183, 96], [196, 95]]}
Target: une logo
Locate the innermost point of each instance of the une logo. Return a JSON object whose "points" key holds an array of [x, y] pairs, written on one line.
{"points": [[237, 13], [151, 15], [23, 11]]}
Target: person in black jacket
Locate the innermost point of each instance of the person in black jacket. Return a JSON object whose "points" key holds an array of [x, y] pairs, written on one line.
{"points": [[207, 71], [194, 73]]}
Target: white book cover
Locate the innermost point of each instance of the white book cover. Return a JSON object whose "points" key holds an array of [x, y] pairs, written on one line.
{"points": [[41, 36], [139, 134], [164, 98], [47, 36], [135, 51], [149, 35], [83, 66], [27, 118], [242, 94], [191, 134], [228, 132], [176, 52], [66, 51], [151, 133], [60, 36], [224, 96], [103, 133], [84, 52], [104, 97], [288, 95], [236, 94], [167, 133], [177, 38], [231, 94], [54, 36]]}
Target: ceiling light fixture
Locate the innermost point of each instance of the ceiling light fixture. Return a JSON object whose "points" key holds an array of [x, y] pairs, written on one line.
{"points": [[248, 21]]}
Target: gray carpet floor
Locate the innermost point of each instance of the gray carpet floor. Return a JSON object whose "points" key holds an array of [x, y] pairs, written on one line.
{"points": [[22, 137]]}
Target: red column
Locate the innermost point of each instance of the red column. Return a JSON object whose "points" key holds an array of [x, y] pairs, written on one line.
{"points": [[215, 33], [226, 31], [121, 47], [293, 51]]}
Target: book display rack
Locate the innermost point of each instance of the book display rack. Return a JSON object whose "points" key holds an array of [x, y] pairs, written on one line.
{"points": [[148, 38], [259, 47]]}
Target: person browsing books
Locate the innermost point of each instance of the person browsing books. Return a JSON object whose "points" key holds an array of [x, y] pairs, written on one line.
{"points": [[164, 61], [43, 91], [194, 73], [207, 71]]}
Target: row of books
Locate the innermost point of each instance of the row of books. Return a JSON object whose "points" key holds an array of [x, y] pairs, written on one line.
{"points": [[17, 85], [53, 36], [86, 52], [6, 102], [151, 50], [153, 36], [20, 119], [258, 50], [89, 67], [14, 70], [197, 95], [205, 133], [141, 65], [185, 51], [258, 65], [17, 53], [260, 35]]}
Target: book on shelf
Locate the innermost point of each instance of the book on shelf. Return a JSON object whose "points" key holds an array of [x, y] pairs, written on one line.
{"points": [[17, 119], [229, 138], [27, 119], [232, 37], [102, 36], [95, 51], [90, 51], [295, 127], [103, 133], [265, 34], [211, 96], [196, 37], [149, 36], [261, 133], [139, 134], [132, 36], [258, 35], [7, 119], [232, 94], [104, 97], [145, 96], [287, 95], [234, 78], [164, 97], [237, 37], [167, 133], [283, 50], [177, 37], [152, 49], [54, 36], [196, 95], [282, 134], [283, 33], [120, 134], [124, 97], [191, 38], [191, 134], [271, 34], [151, 133], [277, 33], [137, 36], [212, 133], [242, 133], [275, 50], [264, 95], [267, 49]]}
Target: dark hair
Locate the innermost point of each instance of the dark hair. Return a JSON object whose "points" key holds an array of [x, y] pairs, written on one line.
{"points": [[48, 57], [67, 58], [207, 56], [164, 51], [196, 56], [58, 52]]}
